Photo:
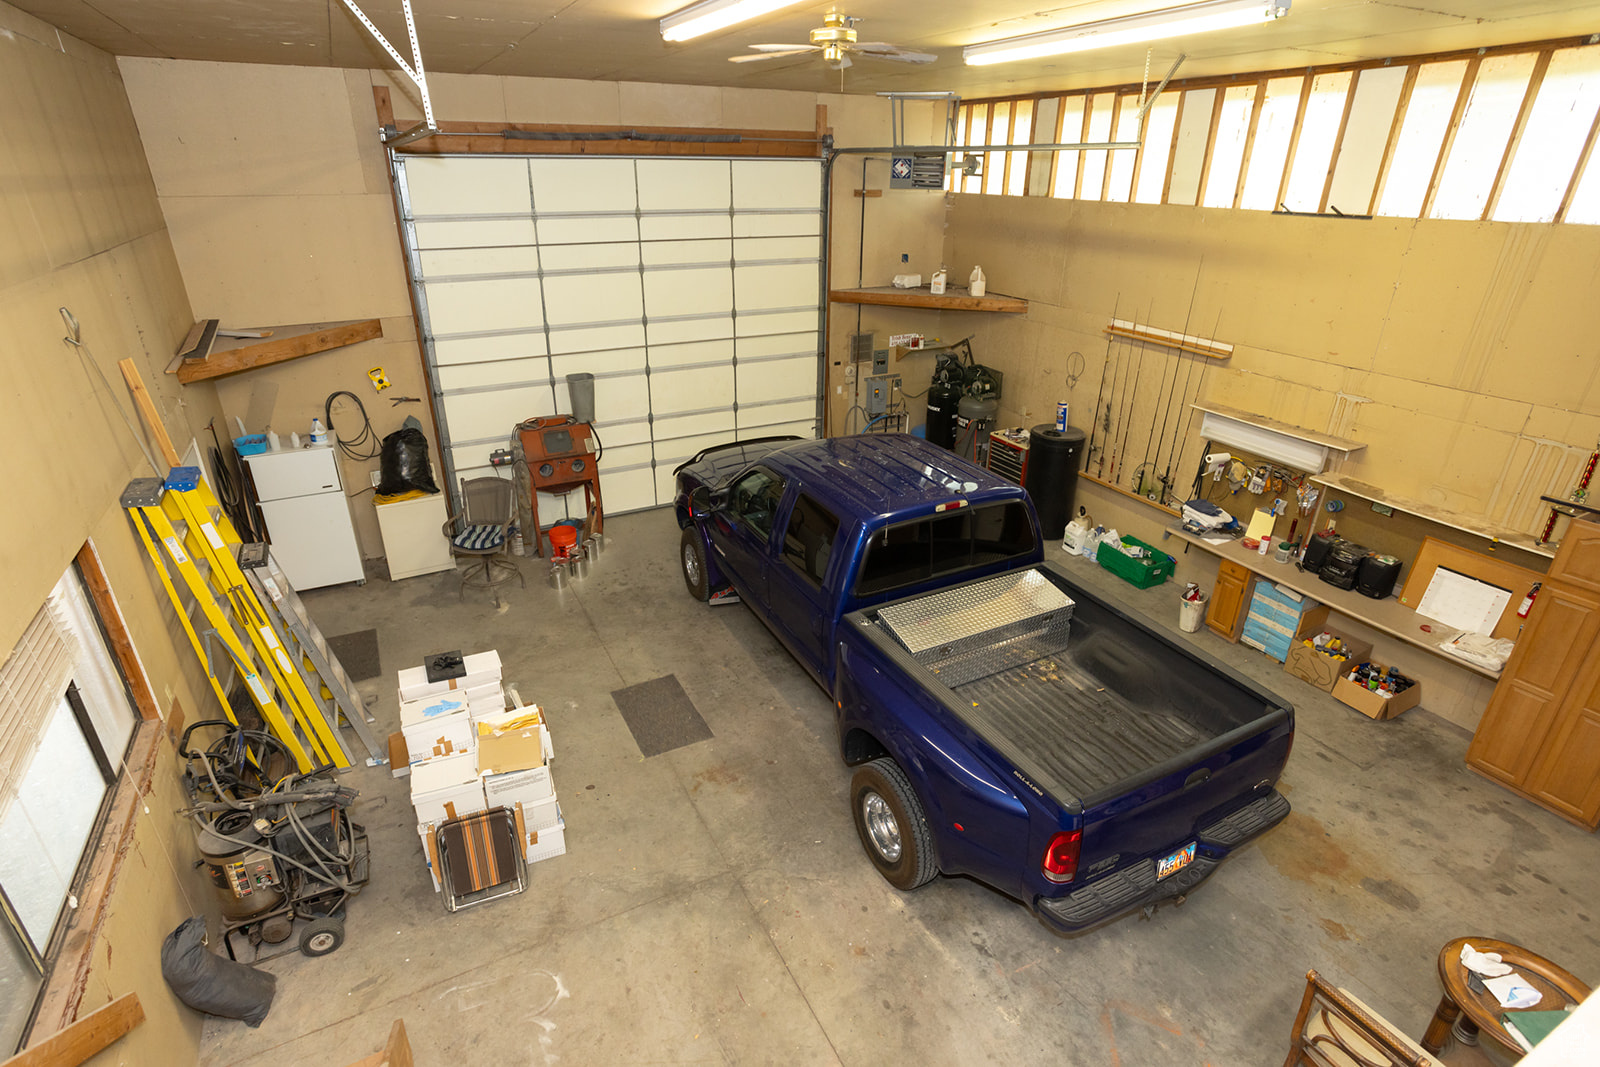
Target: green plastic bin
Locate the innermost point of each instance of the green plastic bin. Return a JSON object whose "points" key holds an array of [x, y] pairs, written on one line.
{"points": [[1154, 569]]}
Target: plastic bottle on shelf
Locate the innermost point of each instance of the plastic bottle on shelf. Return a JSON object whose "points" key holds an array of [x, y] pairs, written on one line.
{"points": [[937, 288], [977, 284], [319, 433]]}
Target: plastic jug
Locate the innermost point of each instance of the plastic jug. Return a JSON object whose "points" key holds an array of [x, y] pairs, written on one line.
{"points": [[977, 285], [937, 288]]}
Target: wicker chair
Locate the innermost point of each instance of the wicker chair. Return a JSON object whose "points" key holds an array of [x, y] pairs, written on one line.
{"points": [[481, 531]]}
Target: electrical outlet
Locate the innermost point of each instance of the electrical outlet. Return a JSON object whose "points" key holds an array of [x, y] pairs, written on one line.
{"points": [[376, 476]]}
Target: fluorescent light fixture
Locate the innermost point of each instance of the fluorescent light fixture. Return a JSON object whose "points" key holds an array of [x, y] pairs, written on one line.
{"points": [[1133, 29], [708, 16]]}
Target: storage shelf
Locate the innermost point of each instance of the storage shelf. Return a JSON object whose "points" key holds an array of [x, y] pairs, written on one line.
{"points": [[1342, 483], [955, 298], [1388, 615]]}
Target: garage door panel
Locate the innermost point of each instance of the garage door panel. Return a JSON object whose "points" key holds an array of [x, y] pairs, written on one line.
{"points": [[778, 379], [677, 184], [672, 333], [680, 436], [691, 390], [746, 249], [493, 413], [611, 361], [674, 253], [457, 186], [512, 372], [779, 225], [593, 298], [631, 490], [777, 344], [768, 323], [629, 395], [688, 292], [685, 227], [782, 286], [613, 228], [583, 185], [596, 338], [591, 257], [475, 233], [458, 262], [484, 304], [759, 184], [522, 345], [616, 432], [719, 350], [801, 411]]}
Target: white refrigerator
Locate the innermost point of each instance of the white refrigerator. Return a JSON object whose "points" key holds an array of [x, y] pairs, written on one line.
{"points": [[307, 516]]}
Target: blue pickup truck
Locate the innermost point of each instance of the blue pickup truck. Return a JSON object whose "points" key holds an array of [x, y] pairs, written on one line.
{"points": [[1003, 721]]}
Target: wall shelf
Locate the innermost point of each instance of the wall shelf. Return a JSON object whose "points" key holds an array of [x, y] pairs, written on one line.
{"points": [[1498, 535], [233, 355], [955, 298]]}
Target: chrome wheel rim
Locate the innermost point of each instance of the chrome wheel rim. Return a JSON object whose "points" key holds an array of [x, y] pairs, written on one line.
{"points": [[691, 565], [882, 827]]}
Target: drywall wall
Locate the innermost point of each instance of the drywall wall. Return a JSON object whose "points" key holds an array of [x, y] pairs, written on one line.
{"points": [[1461, 354], [80, 228], [292, 220]]}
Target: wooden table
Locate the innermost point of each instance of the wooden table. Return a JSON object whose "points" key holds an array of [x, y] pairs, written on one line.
{"points": [[1557, 986]]}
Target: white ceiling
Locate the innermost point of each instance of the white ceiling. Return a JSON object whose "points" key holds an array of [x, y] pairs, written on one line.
{"points": [[620, 39]]}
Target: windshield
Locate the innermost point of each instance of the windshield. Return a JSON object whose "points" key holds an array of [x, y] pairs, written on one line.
{"points": [[912, 552]]}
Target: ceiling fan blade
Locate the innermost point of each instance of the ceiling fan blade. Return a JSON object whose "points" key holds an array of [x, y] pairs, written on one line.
{"points": [[758, 56], [890, 52], [784, 47]]}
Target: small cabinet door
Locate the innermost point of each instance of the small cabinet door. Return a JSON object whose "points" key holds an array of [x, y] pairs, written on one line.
{"points": [[1517, 725], [1229, 599], [1567, 776]]}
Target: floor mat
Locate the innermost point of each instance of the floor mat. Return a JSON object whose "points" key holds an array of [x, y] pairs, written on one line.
{"points": [[358, 654], [660, 715]]}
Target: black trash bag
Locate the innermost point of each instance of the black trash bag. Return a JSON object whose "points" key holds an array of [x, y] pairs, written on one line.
{"points": [[207, 982], [404, 464]]}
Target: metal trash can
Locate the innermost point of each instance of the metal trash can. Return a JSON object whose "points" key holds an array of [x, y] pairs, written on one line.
{"points": [[1191, 613]]}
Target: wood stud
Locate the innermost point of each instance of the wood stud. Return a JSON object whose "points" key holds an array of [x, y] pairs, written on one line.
{"points": [[1535, 80]]}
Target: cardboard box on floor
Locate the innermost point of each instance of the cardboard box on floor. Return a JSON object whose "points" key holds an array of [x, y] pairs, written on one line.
{"points": [[512, 740], [1371, 704], [1313, 668]]}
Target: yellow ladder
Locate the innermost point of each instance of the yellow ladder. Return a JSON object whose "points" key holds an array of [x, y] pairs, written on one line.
{"points": [[194, 548]]}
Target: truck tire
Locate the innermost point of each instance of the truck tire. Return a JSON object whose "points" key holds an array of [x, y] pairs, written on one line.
{"points": [[692, 558], [891, 825]]}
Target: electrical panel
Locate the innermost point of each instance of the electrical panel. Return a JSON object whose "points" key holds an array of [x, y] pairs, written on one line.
{"points": [[924, 170]]}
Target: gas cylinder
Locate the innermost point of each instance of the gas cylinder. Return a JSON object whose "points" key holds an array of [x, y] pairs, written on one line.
{"points": [[943, 399]]}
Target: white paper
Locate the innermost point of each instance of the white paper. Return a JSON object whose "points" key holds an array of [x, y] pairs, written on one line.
{"points": [[1462, 602], [1513, 991]]}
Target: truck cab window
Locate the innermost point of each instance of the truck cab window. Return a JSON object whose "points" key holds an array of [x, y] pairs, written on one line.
{"points": [[754, 499], [913, 552], [808, 542]]}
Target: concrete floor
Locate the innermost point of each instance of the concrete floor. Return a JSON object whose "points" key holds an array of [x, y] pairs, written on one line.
{"points": [[714, 904]]}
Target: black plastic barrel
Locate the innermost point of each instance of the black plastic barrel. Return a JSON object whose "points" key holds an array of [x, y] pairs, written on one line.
{"points": [[1052, 475]]}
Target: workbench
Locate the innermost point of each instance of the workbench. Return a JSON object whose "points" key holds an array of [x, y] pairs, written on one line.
{"points": [[1388, 616]]}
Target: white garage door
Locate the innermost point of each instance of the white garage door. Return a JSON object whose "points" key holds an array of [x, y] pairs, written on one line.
{"points": [[689, 287]]}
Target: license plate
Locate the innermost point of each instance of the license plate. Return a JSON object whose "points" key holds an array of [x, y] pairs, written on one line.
{"points": [[1175, 862]]}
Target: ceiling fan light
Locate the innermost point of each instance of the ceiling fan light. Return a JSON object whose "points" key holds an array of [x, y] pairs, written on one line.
{"points": [[1202, 17], [708, 16]]}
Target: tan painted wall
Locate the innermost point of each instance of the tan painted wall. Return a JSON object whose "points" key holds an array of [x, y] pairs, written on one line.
{"points": [[80, 227], [276, 192]]}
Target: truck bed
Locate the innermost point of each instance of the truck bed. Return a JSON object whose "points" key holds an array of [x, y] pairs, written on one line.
{"points": [[1087, 701]]}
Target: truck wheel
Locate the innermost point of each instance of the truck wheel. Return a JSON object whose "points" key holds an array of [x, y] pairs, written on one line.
{"points": [[692, 555], [891, 825]]}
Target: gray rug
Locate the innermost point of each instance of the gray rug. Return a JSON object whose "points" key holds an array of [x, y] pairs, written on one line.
{"points": [[660, 715], [357, 653]]}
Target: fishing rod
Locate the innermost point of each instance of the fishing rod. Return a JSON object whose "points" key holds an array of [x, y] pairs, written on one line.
{"points": [[1132, 394], [1094, 424], [1199, 389], [1187, 319]]}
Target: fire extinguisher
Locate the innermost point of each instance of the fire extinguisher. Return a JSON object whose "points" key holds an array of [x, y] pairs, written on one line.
{"points": [[1527, 601]]}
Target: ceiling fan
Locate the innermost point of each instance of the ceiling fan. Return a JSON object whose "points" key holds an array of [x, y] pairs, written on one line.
{"points": [[836, 40]]}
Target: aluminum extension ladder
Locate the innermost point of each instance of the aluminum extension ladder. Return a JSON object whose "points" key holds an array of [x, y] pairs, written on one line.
{"points": [[236, 634]]}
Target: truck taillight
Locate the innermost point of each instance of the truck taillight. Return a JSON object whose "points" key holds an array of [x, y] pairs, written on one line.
{"points": [[1061, 858]]}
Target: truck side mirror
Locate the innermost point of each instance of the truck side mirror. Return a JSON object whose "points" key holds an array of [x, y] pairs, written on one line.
{"points": [[700, 502]]}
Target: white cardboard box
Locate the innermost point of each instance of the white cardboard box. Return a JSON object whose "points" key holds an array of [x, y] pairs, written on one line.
{"points": [[437, 727], [447, 788], [527, 788], [545, 844], [541, 815], [425, 832], [483, 668]]}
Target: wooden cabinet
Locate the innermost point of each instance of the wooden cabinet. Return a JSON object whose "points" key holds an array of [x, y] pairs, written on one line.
{"points": [[1230, 599], [1540, 735]]}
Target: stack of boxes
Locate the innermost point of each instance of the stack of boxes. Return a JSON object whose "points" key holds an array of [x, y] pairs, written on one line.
{"points": [[1278, 618], [467, 753]]}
